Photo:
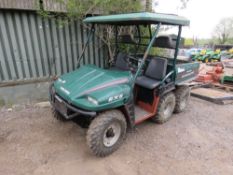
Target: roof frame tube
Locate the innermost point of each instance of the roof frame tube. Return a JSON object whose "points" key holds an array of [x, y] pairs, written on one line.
{"points": [[176, 50], [91, 32], [147, 51]]}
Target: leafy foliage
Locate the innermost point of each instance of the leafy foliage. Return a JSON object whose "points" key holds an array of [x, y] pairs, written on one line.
{"points": [[188, 42], [78, 9], [223, 32]]}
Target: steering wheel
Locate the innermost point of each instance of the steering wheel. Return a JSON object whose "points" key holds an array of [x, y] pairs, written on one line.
{"points": [[131, 57], [132, 67]]}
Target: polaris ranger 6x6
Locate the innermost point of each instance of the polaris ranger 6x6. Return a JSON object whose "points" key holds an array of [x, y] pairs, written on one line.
{"points": [[135, 88]]}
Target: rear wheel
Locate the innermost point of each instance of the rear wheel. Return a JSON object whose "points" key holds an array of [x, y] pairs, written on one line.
{"points": [[182, 97], [106, 133], [165, 108], [57, 115]]}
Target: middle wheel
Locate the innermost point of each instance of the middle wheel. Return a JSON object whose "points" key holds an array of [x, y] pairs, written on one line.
{"points": [[165, 108]]}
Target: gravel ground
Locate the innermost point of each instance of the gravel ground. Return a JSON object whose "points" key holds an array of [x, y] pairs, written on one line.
{"points": [[197, 141]]}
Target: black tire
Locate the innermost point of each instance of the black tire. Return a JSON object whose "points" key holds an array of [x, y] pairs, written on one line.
{"points": [[98, 130], [182, 94], [165, 108], [57, 115]]}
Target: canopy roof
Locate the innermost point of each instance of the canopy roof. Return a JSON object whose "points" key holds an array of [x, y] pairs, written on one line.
{"points": [[138, 18]]}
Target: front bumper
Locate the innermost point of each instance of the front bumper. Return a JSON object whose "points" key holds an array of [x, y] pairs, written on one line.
{"points": [[66, 109]]}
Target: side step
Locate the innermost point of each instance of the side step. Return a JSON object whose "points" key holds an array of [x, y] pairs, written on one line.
{"points": [[141, 114]]}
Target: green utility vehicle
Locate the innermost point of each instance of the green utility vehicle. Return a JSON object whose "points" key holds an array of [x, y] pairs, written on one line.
{"points": [[136, 88]]}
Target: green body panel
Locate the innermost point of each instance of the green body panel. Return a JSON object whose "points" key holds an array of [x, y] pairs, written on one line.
{"points": [[103, 96], [186, 72], [136, 18], [97, 83]]}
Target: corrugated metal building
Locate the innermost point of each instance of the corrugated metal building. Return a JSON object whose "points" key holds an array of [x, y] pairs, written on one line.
{"points": [[32, 47]]}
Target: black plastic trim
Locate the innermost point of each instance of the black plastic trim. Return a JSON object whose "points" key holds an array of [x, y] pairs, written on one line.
{"points": [[74, 109]]}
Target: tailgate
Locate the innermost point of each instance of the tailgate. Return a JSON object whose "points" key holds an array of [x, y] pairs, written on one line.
{"points": [[186, 72]]}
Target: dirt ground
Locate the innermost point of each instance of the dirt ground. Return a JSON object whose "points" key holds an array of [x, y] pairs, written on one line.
{"points": [[198, 141]]}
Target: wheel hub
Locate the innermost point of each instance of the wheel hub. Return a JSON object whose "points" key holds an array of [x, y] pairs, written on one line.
{"points": [[111, 134]]}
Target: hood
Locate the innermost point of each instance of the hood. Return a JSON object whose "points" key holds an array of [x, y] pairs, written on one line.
{"points": [[88, 79]]}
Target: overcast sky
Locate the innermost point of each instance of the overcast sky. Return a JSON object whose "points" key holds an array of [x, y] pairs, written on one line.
{"points": [[204, 15]]}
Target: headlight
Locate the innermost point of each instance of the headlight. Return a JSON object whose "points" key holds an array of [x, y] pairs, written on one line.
{"points": [[61, 81], [92, 100]]}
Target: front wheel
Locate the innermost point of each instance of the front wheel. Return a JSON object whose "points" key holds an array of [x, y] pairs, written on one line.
{"points": [[106, 133]]}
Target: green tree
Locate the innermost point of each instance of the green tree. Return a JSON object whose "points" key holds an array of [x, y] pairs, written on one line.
{"points": [[224, 30], [78, 9], [188, 42]]}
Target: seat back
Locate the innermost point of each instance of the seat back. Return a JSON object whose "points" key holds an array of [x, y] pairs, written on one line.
{"points": [[168, 42], [157, 68], [121, 63]]}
